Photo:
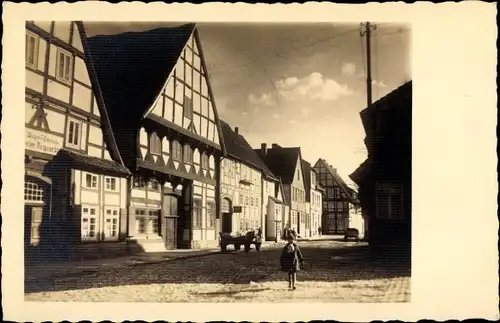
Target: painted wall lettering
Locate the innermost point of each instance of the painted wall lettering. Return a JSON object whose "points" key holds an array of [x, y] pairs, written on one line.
{"points": [[42, 142]]}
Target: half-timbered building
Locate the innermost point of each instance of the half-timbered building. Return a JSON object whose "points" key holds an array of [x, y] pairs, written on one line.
{"points": [[75, 186], [248, 188], [384, 178], [337, 201], [286, 164], [157, 92]]}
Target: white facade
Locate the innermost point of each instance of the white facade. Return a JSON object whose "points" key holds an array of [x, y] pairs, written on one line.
{"points": [[61, 112], [241, 185]]}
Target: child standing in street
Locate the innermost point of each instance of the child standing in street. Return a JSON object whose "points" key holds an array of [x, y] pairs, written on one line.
{"points": [[291, 260]]}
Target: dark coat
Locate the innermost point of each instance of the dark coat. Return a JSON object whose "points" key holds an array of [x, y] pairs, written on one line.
{"points": [[291, 260]]}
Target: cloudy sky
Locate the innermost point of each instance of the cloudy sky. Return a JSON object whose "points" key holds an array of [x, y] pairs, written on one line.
{"points": [[297, 84]]}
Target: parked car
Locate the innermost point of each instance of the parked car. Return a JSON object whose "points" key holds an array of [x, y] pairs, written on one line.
{"points": [[351, 233]]}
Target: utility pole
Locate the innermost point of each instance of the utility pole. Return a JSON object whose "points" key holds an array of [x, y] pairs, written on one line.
{"points": [[366, 29]]}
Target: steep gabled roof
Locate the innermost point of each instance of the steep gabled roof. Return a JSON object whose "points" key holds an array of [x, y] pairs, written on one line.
{"points": [[403, 89], [340, 181], [306, 167], [133, 67], [105, 121], [282, 161], [238, 148]]}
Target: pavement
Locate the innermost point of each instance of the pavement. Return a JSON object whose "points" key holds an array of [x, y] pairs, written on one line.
{"points": [[335, 271]]}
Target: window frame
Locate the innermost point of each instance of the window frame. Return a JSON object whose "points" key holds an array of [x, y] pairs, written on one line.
{"points": [[36, 49], [70, 143], [70, 68], [111, 180], [197, 213], [187, 154], [176, 151], [88, 215], [210, 214], [187, 107], [36, 188], [138, 182], [111, 217], [148, 217], [93, 176], [155, 145]]}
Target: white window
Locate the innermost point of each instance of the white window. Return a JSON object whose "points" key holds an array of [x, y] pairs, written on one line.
{"points": [[89, 223], [73, 133], [111, 218], [111, 184], [32, 41], [146, 221], [64, 65], [33, 192], [90, 181], [188, 154]]}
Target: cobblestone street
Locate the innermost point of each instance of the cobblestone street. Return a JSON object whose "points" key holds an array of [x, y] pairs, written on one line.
{"points": [[335, 271]]}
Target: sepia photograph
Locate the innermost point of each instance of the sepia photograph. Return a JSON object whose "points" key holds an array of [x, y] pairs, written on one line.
{"points": [[218, 162], [249, 162]]}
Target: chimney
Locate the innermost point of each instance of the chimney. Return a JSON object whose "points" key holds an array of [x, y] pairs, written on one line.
{"points": [[263, 148], [236, 130]]}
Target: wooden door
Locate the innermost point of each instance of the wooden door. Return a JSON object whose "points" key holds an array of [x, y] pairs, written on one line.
{"points": [[227, 222], [36, 221], [169, 221]]}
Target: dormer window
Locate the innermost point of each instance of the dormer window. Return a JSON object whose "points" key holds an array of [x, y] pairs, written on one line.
{"points": [[154, 144]]}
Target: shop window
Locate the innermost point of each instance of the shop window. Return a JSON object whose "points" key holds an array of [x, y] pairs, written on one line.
{"points": [[91, 181], [146, 221], [111, 184], [89, 223], [111, 218], [33, 192], [32, 41]]}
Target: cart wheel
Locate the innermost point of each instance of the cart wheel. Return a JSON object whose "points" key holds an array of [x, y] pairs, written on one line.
{"points": [[257, 246], [223, 248], [237, 247], [247, 248]]}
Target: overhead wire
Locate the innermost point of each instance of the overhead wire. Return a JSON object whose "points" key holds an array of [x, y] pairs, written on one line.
{"points": [[285, 52]]}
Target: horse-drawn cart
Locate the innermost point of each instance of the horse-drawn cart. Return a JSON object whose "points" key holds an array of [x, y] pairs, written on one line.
{"points": [[245, 240]]}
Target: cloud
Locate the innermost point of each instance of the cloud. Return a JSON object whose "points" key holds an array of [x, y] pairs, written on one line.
{"points": [[379, 83], [276, 116], [263, 99], [314, 87], [348, 69]]}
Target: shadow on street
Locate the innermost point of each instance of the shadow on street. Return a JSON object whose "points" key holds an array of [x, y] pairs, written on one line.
{"points": [[323, 264]]}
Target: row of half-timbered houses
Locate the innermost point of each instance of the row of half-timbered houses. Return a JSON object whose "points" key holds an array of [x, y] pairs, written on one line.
{"points": [[124, 143]]}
